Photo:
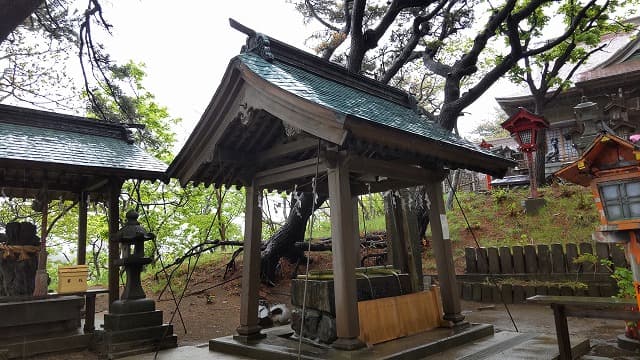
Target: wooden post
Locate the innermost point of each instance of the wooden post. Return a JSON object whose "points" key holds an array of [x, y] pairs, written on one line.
{"points": [[82, 228], [344, 264], [249, 328], [115, 185], [90, 313], [443, 254], [396, 250], [412, 241], [562, 331]]}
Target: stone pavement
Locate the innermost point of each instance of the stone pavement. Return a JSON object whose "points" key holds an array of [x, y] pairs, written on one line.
{"points": [[200, 352]]}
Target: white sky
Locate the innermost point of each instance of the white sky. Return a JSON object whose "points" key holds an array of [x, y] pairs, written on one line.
{"points": [[187, 45]]}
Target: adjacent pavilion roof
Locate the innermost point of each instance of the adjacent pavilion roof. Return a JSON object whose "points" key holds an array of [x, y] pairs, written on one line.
{"points": [[605, 151], [67, 153], [276, 102]]}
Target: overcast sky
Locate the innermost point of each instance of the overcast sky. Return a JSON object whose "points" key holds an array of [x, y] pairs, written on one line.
{"points": [[187, 45]]}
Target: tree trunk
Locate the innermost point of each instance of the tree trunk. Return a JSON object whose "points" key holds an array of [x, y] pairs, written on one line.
{"points": [[282, 243], [14, 13], [452, 190]]}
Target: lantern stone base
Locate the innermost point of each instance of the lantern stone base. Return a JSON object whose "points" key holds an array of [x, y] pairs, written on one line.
{"points": [[130, 333], [533, 206]]}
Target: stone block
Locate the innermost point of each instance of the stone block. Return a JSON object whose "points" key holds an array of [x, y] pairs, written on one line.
{"points": [[39, 316], [320, 293], [327, 329]]}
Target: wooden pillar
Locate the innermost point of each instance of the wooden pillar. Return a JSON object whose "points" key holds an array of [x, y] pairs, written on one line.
{"points": [[344, 264], [444, 257], [115, 185], [82, 228], [249, 328]]}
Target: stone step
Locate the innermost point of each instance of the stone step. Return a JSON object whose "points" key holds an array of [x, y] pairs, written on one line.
{"points": [[506, 345], [500, 340], [153, 332], [135, 347]]}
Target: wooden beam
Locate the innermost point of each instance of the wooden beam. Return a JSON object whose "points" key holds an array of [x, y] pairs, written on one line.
{"points": [[310, 117], [289, 172], [359, 188], [393, 170], [284, 150], [428, 148]]}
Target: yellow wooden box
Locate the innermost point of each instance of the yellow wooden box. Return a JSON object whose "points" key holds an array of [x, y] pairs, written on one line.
{"points": [[72, 278]]}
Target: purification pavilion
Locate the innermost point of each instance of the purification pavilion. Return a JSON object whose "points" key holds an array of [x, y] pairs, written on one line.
{"points": [[281, 115]]}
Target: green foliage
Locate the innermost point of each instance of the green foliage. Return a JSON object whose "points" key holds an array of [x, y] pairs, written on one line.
{"points": [[491, 129], [624, 279], [586, 258]]}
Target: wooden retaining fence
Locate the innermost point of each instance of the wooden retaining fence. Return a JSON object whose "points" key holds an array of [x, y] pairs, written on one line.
{"points": [[524, 271]]}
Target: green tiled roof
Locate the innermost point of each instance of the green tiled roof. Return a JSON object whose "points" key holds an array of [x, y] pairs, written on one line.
{"points": [[30, 143], [349, 101]]}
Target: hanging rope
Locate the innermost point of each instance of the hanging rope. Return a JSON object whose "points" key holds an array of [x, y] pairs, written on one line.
{"points": [[314, 185], [473, 235]]}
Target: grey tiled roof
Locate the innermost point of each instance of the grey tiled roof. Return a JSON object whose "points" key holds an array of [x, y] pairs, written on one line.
{"points": [[30, 143], [350, 101]]}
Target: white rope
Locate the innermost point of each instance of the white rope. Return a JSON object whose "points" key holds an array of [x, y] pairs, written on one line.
{"points": [[306, 278]]}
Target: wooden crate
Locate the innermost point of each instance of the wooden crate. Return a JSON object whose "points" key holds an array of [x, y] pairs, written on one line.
{"points": [[72, 279], [395, 317]]}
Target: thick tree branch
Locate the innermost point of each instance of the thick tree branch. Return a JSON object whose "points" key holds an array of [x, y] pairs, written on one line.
{"points": [[14, 13], [316, 16]]}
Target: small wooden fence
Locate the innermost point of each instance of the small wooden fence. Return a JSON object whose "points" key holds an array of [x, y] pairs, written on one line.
{"points": [[523, 271]]}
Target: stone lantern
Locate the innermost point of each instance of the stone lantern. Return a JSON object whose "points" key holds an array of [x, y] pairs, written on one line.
{"points": [[131, 239], [587, 116], [133, 323]]}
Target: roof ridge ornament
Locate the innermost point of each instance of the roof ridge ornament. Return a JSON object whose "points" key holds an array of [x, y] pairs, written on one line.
{"points": [[256, 42], [259, 44]]}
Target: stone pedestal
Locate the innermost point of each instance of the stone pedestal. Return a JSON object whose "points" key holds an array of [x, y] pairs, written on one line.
{"points": [[136, 332]]}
